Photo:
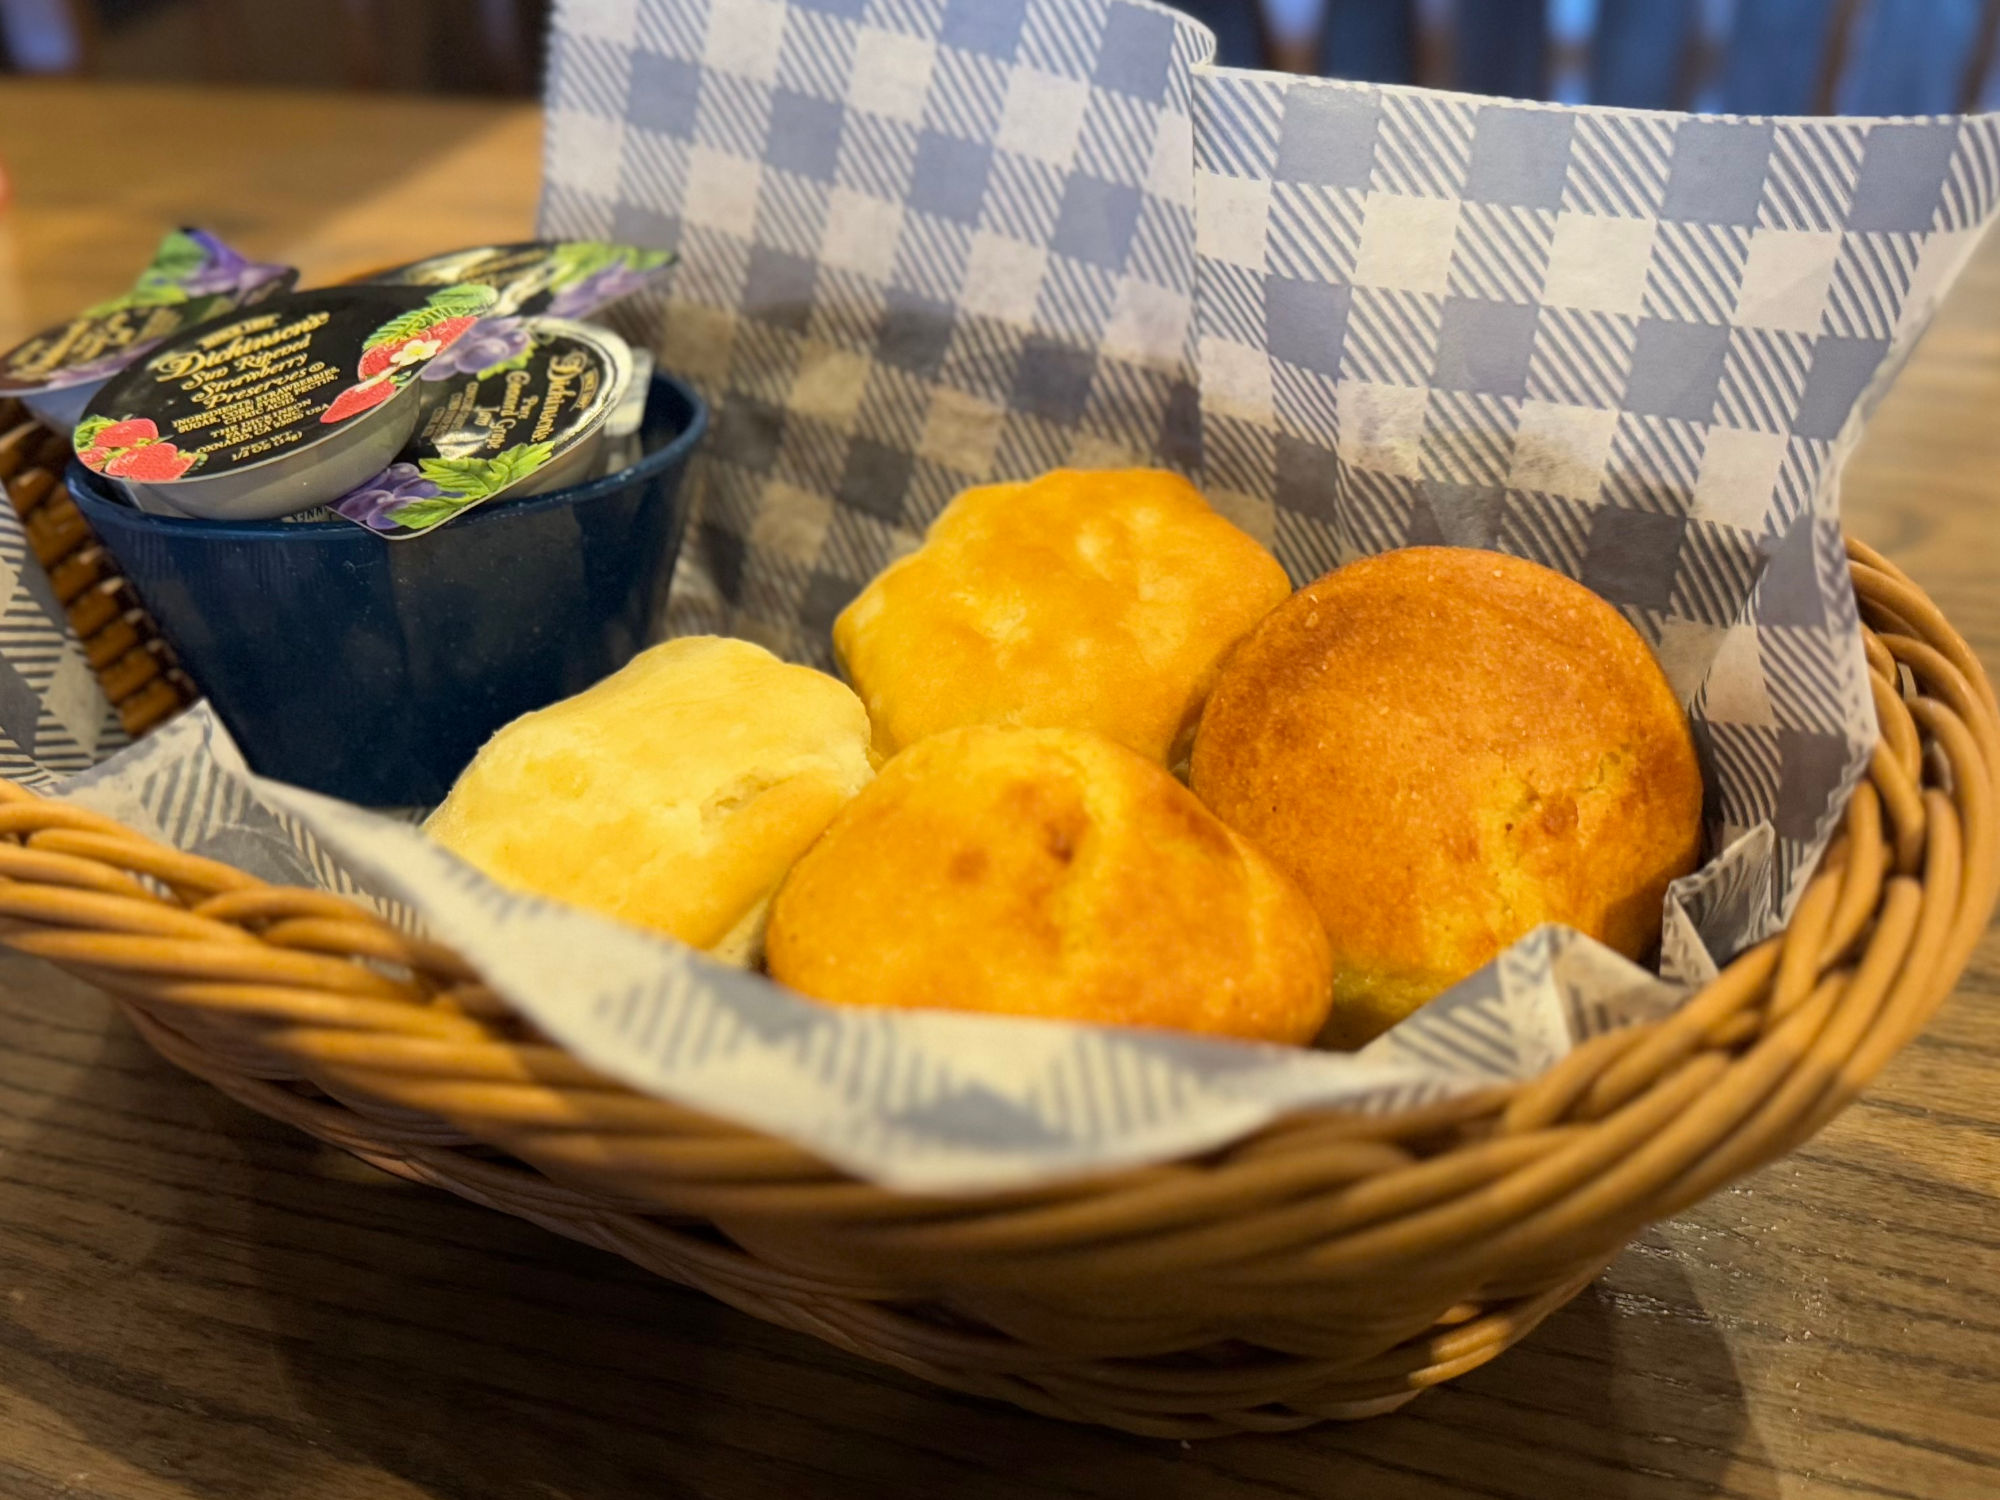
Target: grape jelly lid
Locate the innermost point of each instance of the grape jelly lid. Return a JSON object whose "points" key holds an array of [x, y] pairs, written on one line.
{"points": [[504, 407], [193, 276], [562, 278], [257, 385]]}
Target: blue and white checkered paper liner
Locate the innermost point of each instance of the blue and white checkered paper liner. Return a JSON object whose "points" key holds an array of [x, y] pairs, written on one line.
{"points": [[930, 243], [54, 718]]}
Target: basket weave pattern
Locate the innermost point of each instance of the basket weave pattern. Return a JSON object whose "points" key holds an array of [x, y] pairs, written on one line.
{"points": [[1329, 1267], [130, 660]]}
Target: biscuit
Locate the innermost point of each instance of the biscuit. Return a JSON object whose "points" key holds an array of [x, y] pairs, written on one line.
{"points": [[674, 794], [1053, 873], [1446, 747], [1097, 599]]}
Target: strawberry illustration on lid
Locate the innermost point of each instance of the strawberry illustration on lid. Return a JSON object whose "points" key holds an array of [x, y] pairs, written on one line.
{"points": [[397, 351], [126, 434], [357, 399], [150, 461], [130, 449]]}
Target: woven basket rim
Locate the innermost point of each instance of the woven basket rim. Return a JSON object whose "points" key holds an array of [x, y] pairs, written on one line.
{"points": [[1328, 1265]]}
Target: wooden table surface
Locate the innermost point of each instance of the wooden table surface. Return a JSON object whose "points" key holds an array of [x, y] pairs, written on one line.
{"points": [[197, 1303]]}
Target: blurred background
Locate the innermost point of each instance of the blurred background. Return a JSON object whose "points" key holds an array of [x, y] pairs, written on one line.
{"points": [[432, 46], [1739, 56]]}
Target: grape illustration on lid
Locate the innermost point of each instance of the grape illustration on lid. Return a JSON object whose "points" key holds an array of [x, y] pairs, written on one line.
{"points": [[516, 407], [559, 278], [192, 277], [268, 413]]}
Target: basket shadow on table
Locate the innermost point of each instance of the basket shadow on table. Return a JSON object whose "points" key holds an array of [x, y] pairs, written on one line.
{"points": [[396, 1329]]}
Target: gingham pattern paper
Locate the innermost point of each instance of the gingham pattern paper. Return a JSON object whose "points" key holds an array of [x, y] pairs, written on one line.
{"points": [[54, 718], [924, 243]]}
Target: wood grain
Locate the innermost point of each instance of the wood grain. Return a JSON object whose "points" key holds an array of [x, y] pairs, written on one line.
{"points": [[334, 184], [195, 1302]]}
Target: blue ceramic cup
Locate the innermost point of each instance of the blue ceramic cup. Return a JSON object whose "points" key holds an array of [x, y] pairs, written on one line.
{"points": [[373, 670]]}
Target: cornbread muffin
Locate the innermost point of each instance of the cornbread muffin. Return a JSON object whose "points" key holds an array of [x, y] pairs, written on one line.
{"points": [[1097, 599], [674, 794], [1445, 748], [1048, 872]]}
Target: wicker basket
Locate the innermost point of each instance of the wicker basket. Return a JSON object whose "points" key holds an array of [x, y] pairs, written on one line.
{"points": [[132, 663], [1330, 1267]]}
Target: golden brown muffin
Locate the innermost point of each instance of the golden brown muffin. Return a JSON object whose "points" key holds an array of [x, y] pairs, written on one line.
{"points": [[1099, 599], [674, 794], [1048, 872], [1446, 747]]}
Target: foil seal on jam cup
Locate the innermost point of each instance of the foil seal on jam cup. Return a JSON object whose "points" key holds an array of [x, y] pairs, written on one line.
{"points": [[559, 278], [517, 407], [193, 276], [270, 411]]}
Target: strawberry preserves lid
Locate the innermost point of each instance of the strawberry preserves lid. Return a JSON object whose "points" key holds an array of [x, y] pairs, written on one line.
{"points": [[516, 407], [562, 278], [288, 387]]}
